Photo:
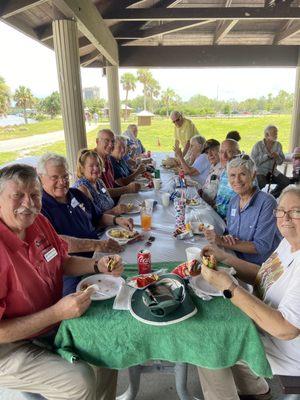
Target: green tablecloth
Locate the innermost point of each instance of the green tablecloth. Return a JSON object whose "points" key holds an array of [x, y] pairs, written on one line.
{"points": [[218, 336]]}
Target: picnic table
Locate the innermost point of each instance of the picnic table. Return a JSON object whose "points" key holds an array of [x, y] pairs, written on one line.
{"points": [[219, 335]]}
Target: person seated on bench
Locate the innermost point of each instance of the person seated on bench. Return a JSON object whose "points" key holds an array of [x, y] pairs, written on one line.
{"points": [[33, 261], [274, 306]]}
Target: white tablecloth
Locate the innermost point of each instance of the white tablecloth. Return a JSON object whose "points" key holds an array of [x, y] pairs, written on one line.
{"points": [[166, 247]]}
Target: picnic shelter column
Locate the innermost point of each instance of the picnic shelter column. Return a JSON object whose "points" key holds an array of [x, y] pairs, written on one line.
{"points": [[113, 99], [65, 37], [295, 132]]}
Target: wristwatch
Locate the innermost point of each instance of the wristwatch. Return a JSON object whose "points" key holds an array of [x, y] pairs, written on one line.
{"points": [[228, 293]]}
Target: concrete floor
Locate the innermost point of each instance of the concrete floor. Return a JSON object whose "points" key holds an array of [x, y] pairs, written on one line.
{"points": [[158, 386]]}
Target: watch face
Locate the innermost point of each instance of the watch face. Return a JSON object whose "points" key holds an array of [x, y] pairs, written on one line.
{"points": [[227, 294]]}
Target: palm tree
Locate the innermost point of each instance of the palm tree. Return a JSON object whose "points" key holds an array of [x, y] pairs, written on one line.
{"points": [[4, 96], [152, 90], [144, 76], [168, 97], [24, 99], [128, 82]]}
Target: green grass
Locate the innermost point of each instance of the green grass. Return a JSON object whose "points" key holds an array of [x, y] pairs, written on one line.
{"points": [[6, 157], [49, 125], [250, 128]]}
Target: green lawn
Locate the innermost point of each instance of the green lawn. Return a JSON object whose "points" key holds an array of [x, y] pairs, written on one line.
{"points": [[250, 128], [49, 125]]}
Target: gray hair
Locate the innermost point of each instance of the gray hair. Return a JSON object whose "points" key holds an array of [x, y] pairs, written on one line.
{"points": [[199, 139], [105, 131], [130, 127], [293, 189], [269, 128], [122, 139], [20, 173], [242, 161], [176, 114], [54, 158]]}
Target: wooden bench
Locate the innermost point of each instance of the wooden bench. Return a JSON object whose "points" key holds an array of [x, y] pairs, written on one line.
{"points": [[289, 384]]}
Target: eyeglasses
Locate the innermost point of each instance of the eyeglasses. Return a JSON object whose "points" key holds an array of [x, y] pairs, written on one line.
{"points": [[56, 178], [292, 214], [176, 120], [242, 156]]}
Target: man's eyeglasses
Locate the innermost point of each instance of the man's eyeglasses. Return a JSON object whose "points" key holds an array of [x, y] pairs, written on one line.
{"points": [[242, 156], [176, 120], [56, 178], [292, 214]]}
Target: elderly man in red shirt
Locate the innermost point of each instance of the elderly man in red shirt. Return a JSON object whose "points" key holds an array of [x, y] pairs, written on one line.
{"points": [[105, 144], [33, 261]]}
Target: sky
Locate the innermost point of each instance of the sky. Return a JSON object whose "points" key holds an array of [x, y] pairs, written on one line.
{"points": [[24, 61]]}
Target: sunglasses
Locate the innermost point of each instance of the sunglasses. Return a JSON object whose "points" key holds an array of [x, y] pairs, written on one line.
{"points": [[176, 120], [150, 241]]}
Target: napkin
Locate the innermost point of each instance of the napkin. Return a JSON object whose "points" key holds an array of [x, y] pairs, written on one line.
{"points": [[122, 300]]}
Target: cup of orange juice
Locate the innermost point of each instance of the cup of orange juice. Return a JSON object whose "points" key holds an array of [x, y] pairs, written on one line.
{"points": [[146, 219]]}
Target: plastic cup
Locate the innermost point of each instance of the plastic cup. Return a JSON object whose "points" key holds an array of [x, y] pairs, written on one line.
{"points": [[193, 253], [165, 199], [156, 183], [146, 220], [149, 204]]}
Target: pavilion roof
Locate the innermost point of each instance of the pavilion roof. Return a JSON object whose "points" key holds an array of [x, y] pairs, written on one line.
{"points": [[168, 33]]}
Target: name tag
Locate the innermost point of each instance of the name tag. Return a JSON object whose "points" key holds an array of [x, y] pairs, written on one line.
{"points": [[50, 254], [103, 190], [74, 202], [233, 212]]}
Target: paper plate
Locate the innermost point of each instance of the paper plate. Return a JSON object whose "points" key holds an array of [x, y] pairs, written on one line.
{"points": [[198, 283], [109, 285], [119, 240], [135, 210]]}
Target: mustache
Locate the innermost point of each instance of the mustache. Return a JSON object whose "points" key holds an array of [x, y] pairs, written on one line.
{"points": [[26, 210]]}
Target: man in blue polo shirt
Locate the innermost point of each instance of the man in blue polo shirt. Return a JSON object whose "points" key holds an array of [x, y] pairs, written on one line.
{"points": [[72, 214]]}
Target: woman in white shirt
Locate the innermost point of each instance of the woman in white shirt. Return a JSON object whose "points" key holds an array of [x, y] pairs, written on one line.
{"points": [[275, 308]]}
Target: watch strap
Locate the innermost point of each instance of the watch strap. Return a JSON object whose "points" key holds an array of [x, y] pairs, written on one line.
{"points": [[96, 269]]}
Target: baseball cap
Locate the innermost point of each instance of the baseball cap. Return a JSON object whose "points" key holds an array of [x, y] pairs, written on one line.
{"points": [[209, 144]]}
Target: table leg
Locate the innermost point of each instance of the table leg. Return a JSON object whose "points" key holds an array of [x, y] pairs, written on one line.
{"points": [[134, 383], [181, 381]]}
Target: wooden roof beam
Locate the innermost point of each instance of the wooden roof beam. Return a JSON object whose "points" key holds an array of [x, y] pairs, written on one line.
{"points": [[89, 58], [162, 30], [92, 25], [223, 30], [186, 14], [290, 29], [11, 8]]}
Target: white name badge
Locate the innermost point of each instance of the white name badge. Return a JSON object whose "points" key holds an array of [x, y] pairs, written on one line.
{"points": [[74, 202], [50, 254], [103, 190], [233, 212]]}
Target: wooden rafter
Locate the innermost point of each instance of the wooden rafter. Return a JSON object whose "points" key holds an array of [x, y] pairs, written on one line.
{"points": [[186, 14], [223, 27], [162, 29], [291, 28], [89, 58], [92, 26], [11, 8]]}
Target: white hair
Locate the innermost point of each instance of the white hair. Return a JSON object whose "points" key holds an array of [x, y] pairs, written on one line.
{"points": [[293, 189], [175, 114], [244, 161], [122, 139], [20, 173], [54, 158], [199, 139], [269, 129]]}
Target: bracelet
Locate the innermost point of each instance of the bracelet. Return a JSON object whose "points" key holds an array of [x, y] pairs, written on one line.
{"points": [[96, 269], [115, 220]]}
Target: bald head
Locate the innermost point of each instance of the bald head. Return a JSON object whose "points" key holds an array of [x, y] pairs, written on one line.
{"points": [[228, 149]]}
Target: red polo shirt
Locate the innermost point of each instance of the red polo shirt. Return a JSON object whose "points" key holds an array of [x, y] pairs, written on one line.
{"points": [[30, 270], [108, 174]]}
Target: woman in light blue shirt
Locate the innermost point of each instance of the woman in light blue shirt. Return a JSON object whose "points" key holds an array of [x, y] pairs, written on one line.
{"points": [[200, 166], [251, 225]]}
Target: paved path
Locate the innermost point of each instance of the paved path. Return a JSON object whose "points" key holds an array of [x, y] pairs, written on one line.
{"points": [[36, 140]]}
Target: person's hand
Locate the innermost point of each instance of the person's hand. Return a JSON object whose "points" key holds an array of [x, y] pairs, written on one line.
{"points": [[141, 169], [214, 250], [210, 235], [108, 246], [121, 209], [228, 240], [117, 265], [178, 151], [133, 187], [73, 305], [126, 223], [275, 155], [218, 279]]}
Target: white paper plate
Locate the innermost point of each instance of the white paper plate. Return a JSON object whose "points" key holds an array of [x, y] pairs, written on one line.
{"points": [[119, 240], [109, 285], [198, 283], [195, 227], [134, 210]]}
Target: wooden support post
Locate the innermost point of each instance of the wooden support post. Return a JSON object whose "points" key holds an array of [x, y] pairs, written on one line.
{"points": [[113, 99], [68, 69], [295, 132]]}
